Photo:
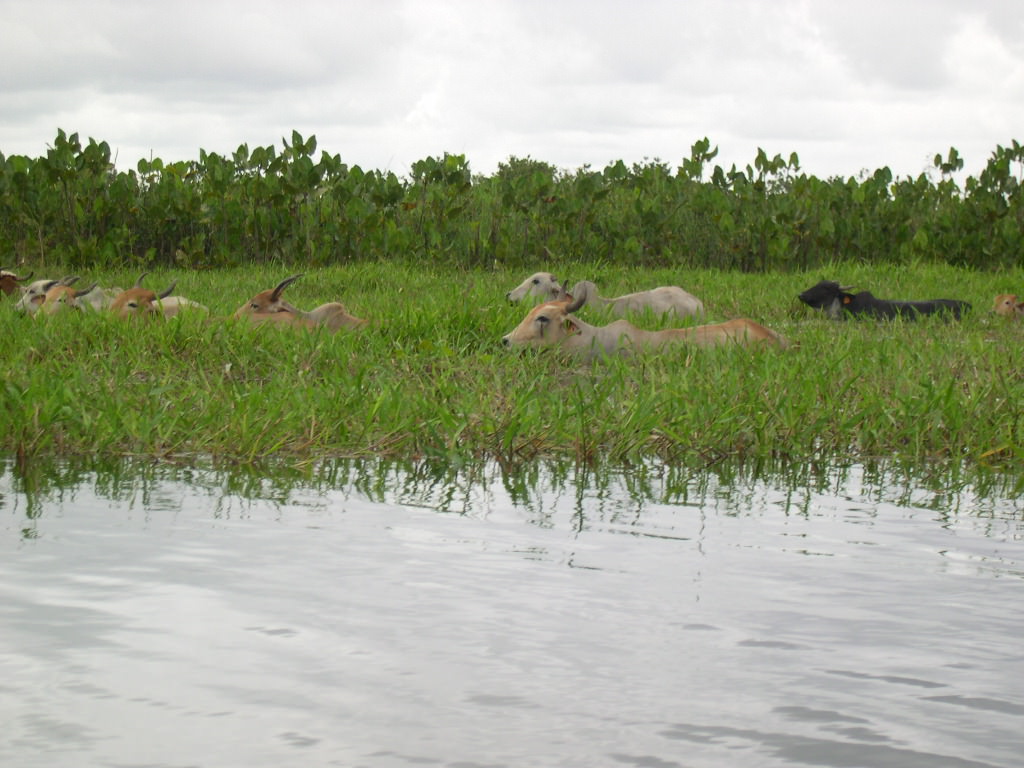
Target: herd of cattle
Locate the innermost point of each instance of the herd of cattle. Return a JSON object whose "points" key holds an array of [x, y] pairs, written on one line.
{"points": [[50, 296], [552, 322]]}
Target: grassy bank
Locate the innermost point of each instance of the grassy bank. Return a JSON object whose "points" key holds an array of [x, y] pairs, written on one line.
{"points": [[428, 378]]}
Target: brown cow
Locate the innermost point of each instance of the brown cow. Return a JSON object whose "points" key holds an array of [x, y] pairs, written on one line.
{"points": [[1008, 305], [34, 294], [139, 301], [62, 295], [268, 307], [9, 281]]}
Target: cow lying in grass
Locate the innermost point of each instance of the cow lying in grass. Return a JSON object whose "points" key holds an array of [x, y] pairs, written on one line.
{"points": [[62, 295], [34, 294], [662, 300], [142, 302], [553, 324], [1007, 305], [836, 302], [267, 307]]}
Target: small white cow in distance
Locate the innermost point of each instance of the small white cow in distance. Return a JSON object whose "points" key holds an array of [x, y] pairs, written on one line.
{"points": [[553, 324], [268, 307], [669, 299]]}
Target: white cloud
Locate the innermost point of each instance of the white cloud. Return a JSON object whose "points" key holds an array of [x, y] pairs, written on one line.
{"points": [[383, 84]]}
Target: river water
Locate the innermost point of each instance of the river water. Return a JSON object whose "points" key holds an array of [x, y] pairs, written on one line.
{"points": [[367, 614]]}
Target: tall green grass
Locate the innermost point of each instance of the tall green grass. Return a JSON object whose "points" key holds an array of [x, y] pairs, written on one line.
{"points": [[429, 379]]}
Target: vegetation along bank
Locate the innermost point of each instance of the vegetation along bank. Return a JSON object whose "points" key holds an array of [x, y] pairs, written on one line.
{"points": [[427, 375], [427, 259]]}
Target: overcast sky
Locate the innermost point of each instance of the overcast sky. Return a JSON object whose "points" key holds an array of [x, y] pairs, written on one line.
{"points": [[847, 85]]}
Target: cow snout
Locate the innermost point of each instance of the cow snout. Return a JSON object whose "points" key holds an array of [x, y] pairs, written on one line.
{"points": [[505, 341]]}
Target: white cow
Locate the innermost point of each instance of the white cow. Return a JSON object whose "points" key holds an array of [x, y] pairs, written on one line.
{"points": [[664, 300], [661, 301], [541, 284]]}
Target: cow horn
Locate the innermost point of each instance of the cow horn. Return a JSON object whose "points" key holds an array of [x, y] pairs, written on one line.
{"points": [[138, 283], [845, 288], [579, 291], [69, 280], [167, 293], [81, 293], [282, 285], [49, 284], [557, 288]]}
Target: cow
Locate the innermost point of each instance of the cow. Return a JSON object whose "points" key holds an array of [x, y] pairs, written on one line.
{"points": [[663, 300], [1008, 305], [138, 301], [9, 281], [553, 324], [836, 302], [540, 284], [62, 295], [268, 307], [34, 294]]}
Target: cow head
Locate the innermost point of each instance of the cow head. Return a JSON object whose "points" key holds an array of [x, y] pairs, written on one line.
{"points": [[545, 325], [1007, 304], [269, 301], [827, 296], [541, 284], [138, 300], [61, 295]]}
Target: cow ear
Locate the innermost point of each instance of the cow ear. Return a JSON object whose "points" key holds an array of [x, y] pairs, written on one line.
{"points": [[570, 326]]}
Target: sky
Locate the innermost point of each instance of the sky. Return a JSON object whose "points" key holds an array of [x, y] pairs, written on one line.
{"points": [[849, 87]]}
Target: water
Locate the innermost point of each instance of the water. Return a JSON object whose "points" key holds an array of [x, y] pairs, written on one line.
{"points": [[376, 615]]}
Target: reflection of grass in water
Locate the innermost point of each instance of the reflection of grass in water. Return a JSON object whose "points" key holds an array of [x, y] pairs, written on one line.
{"points": [[428, 379], [545, 489]]}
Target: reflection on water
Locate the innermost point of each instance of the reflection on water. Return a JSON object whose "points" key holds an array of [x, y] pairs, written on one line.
{"points": [[541, 488], [377, 613]]}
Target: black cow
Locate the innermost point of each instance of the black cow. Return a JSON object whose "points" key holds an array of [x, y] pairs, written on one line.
{"points": [[835, 301]]}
